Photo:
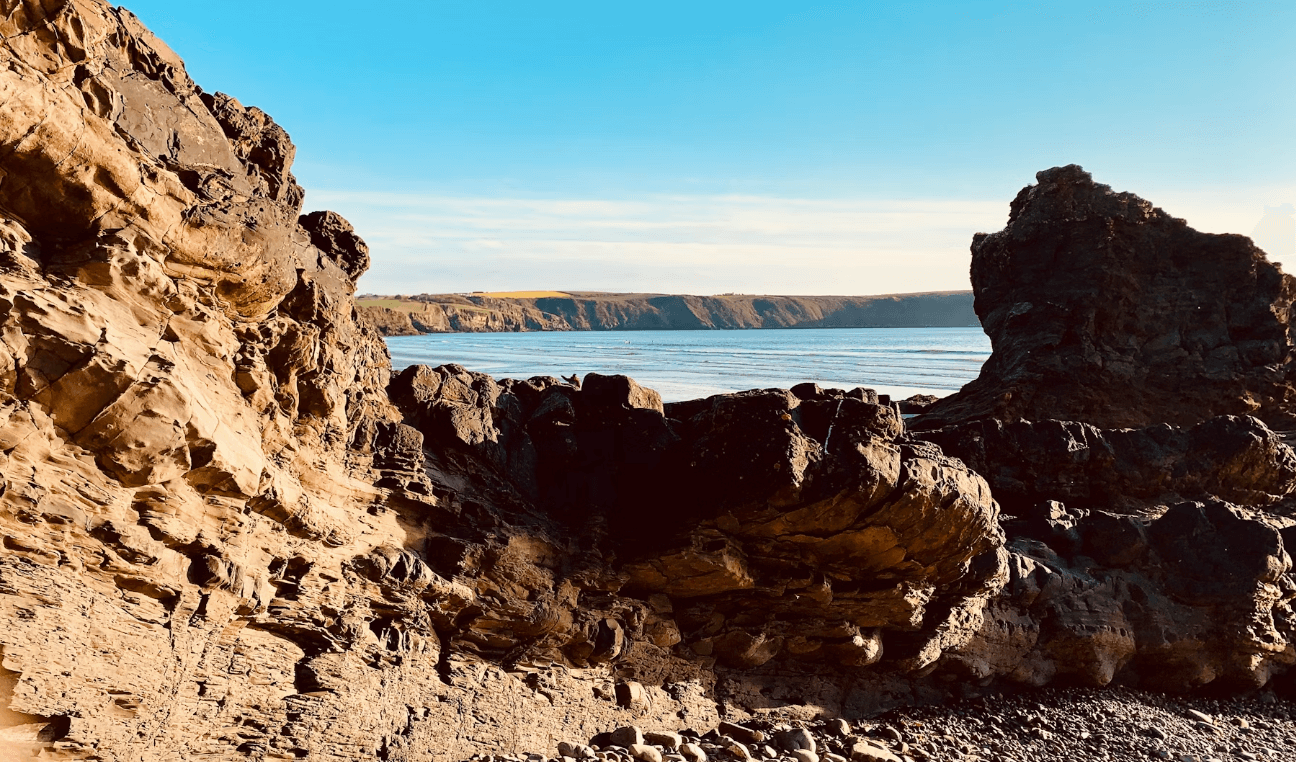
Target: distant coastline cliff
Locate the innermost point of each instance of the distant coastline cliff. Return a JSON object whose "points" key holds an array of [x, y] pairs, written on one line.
{"points": [[583, 311]]}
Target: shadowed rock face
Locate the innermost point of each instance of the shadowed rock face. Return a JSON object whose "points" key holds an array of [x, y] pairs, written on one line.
{"points": [[1103, 309], [1026, 463]]}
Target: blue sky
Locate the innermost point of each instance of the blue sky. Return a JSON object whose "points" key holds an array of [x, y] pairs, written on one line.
{"points": [[758, 147]]}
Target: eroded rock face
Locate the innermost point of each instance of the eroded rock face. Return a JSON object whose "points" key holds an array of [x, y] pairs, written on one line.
{"points": [[756, 525], [1104, 309], [1200, 595], [1134, 362], [1233, 458]]}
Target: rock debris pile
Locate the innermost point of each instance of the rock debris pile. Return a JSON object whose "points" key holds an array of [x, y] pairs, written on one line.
{"points": [[228, 532]]}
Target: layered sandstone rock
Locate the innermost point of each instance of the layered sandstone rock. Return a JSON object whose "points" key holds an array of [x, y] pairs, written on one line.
{"points": [[220, 540], [1104, 309]]}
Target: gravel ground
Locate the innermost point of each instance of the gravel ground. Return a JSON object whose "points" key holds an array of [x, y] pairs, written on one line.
{"points": [[1114, 724], [1067, 725]]}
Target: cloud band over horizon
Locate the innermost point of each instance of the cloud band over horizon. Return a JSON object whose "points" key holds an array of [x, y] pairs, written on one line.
{"points": [[429, 243]]}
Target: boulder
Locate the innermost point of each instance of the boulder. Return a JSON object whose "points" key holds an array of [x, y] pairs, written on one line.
{"points": [[1104, 309]]}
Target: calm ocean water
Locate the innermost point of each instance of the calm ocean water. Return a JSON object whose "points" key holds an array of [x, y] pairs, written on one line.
{"points": [[683, 365]]}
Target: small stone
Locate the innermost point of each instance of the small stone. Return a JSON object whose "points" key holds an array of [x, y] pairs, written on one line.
{"points": [[575, 751], [804, 755], [1156, 733], [737, 749], [867, 751], [1201, 716], [665, 740], [645, 753], [768, 752], [740, 733], [892, 734], [631, 695], [626, 737], [830, 757], [838, 726], [793, 740], [692, 752]]}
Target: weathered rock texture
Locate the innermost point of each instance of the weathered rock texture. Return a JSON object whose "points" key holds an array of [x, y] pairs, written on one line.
{"points": [[196, 560], [1232, 458], [441, 313], [220, 539], [1114, 420], [1104, 309]]}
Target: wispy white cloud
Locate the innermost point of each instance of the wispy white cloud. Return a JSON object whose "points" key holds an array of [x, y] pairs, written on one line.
{"points": [[693, 244]]}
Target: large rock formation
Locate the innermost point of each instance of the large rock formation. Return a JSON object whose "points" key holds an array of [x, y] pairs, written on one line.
{"points": [[1147, 507], [1104, 309], [757, 525]]}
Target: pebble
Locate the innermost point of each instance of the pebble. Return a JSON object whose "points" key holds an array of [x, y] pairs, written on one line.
{"points": [[645, 753], [867, 751], [740, 733], [793, 740], [626, 737], [669, 741]]}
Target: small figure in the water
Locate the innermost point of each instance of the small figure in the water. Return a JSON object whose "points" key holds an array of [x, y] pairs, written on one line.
{"points": [[1276, 231], [573, 379]]}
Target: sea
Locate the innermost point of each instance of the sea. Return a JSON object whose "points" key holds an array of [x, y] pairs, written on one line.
{"points": [[683, 365]]}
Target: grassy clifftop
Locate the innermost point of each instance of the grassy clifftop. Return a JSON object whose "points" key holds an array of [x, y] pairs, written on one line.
{"points": [[589, 311]]}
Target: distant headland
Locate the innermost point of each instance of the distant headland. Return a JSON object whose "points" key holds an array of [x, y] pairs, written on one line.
{"points": [[600, 311]]}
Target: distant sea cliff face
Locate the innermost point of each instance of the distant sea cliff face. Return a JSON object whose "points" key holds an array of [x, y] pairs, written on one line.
{"points": [[448, 313]]}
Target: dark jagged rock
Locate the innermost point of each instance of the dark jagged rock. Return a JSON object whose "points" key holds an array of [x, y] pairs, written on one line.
{"points": [[1200, 595], [1104, 309], [335, 237], [1232, 458], [754, 495]]}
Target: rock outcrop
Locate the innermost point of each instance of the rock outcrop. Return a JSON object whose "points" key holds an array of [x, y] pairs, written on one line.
{"points": [[756, 525], [1232, 458], [1104, 309], [1121, 420]]}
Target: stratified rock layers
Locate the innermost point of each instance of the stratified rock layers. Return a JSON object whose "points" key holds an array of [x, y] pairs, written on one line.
{"points": [[222, 540]]}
